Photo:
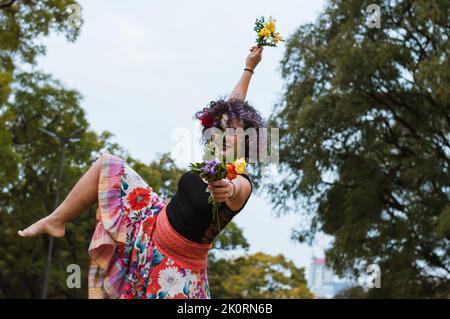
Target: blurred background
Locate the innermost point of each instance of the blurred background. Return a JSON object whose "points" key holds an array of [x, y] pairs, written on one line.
{"points": [[359, 92]]}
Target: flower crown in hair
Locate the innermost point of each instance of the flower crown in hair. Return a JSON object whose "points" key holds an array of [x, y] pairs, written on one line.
{"points": [[207, 119]]}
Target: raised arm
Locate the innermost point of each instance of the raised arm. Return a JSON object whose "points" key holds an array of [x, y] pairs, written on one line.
{"points": [[254, 57]]}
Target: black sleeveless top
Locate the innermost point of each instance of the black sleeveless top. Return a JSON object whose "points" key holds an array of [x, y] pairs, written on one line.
{"points": [[190, 214]]}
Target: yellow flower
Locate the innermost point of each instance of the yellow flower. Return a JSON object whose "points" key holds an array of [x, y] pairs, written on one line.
{"points": [[271, 26], [264, 32], [278, 37], [240, 165]]}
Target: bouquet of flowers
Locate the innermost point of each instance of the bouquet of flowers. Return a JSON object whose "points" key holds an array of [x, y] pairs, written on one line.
{"points": [[213, 170], [267, 35]]}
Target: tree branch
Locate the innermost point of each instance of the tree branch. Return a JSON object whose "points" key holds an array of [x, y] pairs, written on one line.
{"points": [[6, 4]]}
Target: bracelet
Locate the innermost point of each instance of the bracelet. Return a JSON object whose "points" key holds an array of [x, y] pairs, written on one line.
{"points": [[250, 70], [234, 191]]}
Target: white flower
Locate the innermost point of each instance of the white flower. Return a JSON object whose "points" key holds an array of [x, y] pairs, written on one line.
{"points": [[171, 280], [169, 262], [192, 278], [193, 284]]}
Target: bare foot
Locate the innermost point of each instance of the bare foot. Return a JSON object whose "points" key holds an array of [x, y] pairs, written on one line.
{"points": [[46, 225]]}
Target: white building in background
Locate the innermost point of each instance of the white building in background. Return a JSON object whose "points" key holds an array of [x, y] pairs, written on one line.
{"points": [[322, 281]]}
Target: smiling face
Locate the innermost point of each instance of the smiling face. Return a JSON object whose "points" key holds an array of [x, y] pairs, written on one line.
{"points": [[223, 115], [231, 141]]}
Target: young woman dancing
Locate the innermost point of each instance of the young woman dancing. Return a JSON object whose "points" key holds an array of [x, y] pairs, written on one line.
{"points": [[145, 247]]}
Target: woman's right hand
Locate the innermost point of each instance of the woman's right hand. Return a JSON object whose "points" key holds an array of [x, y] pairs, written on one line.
{"points": [[254, 57], [220, 190]]}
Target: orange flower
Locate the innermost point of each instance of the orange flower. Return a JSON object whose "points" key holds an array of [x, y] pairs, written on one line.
{"points": [[231, 168], [180, 296], [139, 198]]}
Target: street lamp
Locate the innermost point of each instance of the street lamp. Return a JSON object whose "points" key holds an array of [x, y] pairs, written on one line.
{"points": [[63, 141]]}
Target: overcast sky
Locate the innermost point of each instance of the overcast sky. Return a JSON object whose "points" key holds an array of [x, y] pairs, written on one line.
{"points": [[145, 67]]}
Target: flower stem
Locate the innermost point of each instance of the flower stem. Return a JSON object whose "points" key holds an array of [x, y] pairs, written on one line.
{"points": [[215, 209]]}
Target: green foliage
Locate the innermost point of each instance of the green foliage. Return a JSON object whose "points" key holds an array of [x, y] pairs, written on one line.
{"points": [[352, 293], [364, 141], [7, 155], [22, 27], [251, 275], [161, 174], [257, 276], [29, 159], [41, 102], [230, 238]]}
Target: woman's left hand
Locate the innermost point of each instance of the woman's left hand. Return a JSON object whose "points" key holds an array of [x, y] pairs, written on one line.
{"points": [[221, 190]]}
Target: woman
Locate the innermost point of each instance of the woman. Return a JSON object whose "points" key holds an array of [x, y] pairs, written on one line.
{"points": [[142, 246]]}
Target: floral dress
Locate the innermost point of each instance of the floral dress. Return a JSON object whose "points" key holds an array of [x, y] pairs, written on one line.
{"points": [[125, 262]]}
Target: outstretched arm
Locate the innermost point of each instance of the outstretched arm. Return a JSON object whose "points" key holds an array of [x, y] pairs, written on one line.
{"points": [[254, 57], [222, 190]]}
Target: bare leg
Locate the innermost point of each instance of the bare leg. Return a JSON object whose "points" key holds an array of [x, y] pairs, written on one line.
{"points": [[82, 196]]}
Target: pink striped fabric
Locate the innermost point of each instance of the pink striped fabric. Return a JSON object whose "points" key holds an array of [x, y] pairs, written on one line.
{"points": [[110, 229]]}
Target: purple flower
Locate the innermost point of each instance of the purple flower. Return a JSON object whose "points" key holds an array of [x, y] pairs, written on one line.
{"points": [[209, 166]]}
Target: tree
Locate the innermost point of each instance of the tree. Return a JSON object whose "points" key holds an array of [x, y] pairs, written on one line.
{"points": [[251, 275], [257, 276], [355, 292], [39, 101], [162, 174], [22, 25], [365, 142]]}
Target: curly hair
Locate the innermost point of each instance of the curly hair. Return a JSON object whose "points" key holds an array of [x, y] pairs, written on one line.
{"points": [[234, 109]]}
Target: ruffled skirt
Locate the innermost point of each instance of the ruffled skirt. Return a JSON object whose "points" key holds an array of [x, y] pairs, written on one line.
{"points": [[134, 251]]}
